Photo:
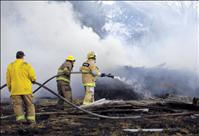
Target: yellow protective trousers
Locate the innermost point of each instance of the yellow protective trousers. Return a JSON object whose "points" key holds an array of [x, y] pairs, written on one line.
{"points": [[21, 101], [89, 95]]}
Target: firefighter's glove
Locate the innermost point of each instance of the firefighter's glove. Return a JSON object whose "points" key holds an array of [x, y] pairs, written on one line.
{"points": [[102, 75]]}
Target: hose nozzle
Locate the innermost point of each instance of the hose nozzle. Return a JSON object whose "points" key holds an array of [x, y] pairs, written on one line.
{"points": [[107, 75], [110, 75]]}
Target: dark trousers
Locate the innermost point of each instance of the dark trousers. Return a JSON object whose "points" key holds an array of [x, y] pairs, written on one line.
{"points": [[64, 90]]}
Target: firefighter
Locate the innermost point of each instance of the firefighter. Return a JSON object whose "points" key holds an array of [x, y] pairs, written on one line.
{"points": [[19, 77], [63, 81], [89, 73]]}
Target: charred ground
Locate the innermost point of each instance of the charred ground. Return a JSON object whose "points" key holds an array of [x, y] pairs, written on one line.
{"points": [[176, 115]]}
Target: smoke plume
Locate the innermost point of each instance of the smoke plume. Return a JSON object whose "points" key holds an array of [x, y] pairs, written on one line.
{"points": [[50, 31]]}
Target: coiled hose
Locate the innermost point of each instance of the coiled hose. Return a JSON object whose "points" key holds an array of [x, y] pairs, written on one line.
{"points": [[73, 105]]}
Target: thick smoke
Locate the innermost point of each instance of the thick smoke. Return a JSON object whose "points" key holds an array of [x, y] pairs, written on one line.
{"points": [[160, 32], [141, 82], [49, 31]]}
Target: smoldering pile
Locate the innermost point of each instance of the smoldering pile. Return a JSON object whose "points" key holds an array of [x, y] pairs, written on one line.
{"points": [[114, 89], [140, 82]]}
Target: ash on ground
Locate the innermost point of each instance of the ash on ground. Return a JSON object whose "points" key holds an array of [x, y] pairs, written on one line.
{"points": [[172, 115]]}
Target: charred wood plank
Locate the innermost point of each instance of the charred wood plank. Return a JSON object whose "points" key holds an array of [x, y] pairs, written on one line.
{"points": [[121, 111], [117, 104], [144, 130], [180, 105], [172, 114]]}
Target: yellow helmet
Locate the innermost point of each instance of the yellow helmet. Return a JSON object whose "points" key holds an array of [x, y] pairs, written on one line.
{"points": [[70, 58], [91, 55]]}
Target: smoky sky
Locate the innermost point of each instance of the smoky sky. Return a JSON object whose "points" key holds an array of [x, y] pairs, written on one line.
{"points": [[133, 34], [98, 15], [160, 32]]}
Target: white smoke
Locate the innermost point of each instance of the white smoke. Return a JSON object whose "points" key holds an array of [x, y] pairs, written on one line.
{"points": [[173, 36], [49, 31]]}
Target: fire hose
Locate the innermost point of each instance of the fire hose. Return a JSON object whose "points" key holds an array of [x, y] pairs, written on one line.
{"points": [[73, 105]]}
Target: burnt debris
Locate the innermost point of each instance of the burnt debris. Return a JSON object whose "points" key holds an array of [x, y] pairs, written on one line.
{"points": [[114, 89]]}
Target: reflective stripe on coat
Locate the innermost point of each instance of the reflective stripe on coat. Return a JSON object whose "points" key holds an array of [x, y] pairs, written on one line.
{"points": [[88, 67], [65, 69]]}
